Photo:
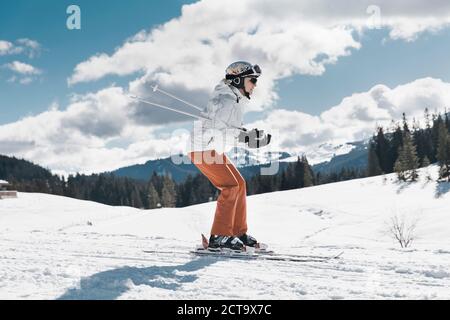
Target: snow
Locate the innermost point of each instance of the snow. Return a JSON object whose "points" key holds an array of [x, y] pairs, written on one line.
{"points": [[323, 152], [3, 182], [318, 153], [54, 247]]}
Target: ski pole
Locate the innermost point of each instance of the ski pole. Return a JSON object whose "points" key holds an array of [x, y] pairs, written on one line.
{"points": [[167, 108], [181, 112], [155, 88]]}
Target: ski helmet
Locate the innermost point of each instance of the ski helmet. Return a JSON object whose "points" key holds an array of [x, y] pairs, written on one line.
{"points": [[237, 71]]}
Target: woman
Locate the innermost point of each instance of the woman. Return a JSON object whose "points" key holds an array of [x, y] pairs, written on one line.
{"points": [[209, 139]]}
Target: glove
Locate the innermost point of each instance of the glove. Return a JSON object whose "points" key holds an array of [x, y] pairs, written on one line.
{"points": [[255, 138], [243, 136]]}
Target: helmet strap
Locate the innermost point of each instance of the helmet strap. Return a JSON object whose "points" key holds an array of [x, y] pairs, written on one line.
{"points": [[238, 82], [246, 93]]}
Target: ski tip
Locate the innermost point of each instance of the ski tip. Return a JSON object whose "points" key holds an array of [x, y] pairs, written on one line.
{"points": [[205, 242]]}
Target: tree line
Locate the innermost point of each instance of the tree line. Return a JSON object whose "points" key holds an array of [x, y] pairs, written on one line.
{"points": [[406, 148], [158, 191]]}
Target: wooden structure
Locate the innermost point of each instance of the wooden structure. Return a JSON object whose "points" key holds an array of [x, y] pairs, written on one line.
{"points": [[4, 192]]}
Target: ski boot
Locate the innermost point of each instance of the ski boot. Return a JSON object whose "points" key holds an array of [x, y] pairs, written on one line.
{"points": [[249, 241], [225, 242]]}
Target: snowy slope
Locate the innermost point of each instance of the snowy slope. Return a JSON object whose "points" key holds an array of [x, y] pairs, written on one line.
{"points": [[54, 247]]}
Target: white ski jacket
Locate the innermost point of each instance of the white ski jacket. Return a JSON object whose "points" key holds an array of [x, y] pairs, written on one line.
{"points": [[225, 109]]}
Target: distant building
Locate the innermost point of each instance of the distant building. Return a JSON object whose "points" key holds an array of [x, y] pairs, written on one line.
{"points": [[4, 192]]}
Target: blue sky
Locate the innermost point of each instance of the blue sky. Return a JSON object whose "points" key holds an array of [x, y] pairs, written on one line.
{"points": [[105, 25], [377, 74]]}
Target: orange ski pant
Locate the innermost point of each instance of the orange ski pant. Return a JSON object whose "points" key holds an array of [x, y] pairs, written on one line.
{"points": [[231, 211]]}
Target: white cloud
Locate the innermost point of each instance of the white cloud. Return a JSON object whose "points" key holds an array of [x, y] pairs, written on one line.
{"points": [[5, 47], [22, 68], [31, 47], [26, 80], [23, 73], [27, 46], [33, 44]]}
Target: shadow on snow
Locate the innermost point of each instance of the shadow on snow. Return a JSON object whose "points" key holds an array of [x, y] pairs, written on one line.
{"points": [[111, 284], [442, 188]]}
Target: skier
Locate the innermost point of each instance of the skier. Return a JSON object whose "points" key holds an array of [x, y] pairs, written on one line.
{"points": [[225, 113]]}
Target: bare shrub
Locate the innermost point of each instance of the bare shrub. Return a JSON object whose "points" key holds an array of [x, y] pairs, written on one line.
{"points": [[402, 231]]}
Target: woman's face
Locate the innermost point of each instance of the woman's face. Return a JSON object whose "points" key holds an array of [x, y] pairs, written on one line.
{"points": [[249, 85]]}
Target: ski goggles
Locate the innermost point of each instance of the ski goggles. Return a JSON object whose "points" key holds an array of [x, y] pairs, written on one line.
{"points": [[254, 72]]}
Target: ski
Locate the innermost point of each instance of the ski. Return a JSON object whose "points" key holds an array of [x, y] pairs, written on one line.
{"points": [[262, 256], [261, 252], [248, 255], [326, 257]]}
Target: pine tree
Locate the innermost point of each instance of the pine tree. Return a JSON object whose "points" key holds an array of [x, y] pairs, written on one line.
{"points": [[425, 162], [136, 198], [427, 119], [298, 173], [437, 123], [382, 150], [394, 146], [284, 183], [373, 165], [405, 124], [168, 194], [443, 152], [427, 140], [407, 162], [153, 197], [308, 174], [447, 120], [399, 167], [185, 192], [157, 182]]}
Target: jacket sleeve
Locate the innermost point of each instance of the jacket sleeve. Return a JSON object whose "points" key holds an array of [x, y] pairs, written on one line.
{"points": [[227, 116]]}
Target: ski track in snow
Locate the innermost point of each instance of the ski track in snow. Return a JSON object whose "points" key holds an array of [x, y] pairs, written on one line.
{"points": [[51, 253]]}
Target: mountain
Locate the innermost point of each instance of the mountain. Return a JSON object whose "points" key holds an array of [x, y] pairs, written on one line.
{"points": [[242, 157], [247, 161], [165, 166], [12, 168], [355, 157], [324, 157], [61, 248], [26, 176]]}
